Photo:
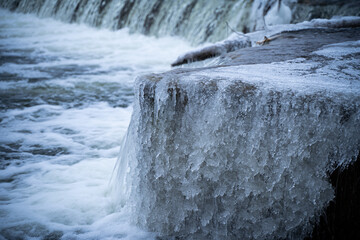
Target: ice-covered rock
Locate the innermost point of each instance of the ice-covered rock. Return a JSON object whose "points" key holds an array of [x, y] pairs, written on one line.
{"points": [[243, 151], [325, 9], [238, 41]]}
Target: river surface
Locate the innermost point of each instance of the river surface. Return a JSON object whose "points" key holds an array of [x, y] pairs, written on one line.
{"points": [[65, 103]]}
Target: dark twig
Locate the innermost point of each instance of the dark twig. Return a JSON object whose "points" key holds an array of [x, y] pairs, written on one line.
{"points": [[238, 33]]}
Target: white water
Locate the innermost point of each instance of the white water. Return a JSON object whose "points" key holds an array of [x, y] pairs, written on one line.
{"points": [[66, 93], [197, 21]]}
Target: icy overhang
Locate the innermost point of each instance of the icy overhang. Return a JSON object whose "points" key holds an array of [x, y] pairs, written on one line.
{"points": [[243, 151]]}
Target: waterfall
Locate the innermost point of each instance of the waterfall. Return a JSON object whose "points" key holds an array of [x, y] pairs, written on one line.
{"points": [[197, 21]]}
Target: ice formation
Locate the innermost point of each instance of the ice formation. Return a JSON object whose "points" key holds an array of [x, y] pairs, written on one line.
{"points": [[239, 40], [240, 152], [232, 43], [278, 14]]}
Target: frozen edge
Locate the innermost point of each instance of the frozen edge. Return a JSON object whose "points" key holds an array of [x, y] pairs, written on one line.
{"points": [[238, 40]]}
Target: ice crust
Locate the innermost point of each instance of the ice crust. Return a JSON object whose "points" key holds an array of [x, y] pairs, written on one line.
{"points": [[232, 43], [238, 40], [240, 152]]}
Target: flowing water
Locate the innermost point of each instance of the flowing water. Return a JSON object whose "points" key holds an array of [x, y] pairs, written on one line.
{"points": [[65, 103], [197, 21]]}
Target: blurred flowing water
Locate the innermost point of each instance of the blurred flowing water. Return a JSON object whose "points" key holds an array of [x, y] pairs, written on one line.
{"points": [[65, 103]]}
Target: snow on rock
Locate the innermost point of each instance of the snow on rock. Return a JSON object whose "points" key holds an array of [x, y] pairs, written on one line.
{"points": [[335, 22]]}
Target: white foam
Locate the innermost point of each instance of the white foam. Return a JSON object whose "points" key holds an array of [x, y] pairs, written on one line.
{"points": [[63, 154]]}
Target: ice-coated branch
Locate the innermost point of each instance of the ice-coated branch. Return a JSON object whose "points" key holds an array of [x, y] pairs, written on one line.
{"points": [[234, 42]]}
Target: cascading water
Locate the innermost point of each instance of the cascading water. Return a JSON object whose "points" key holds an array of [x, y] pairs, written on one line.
{"points": [[196, 20], [221, 153]]}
